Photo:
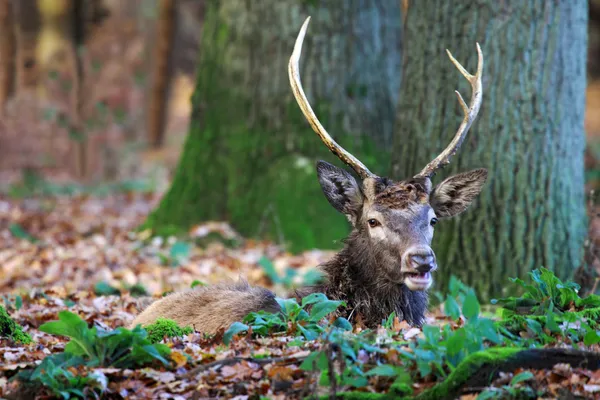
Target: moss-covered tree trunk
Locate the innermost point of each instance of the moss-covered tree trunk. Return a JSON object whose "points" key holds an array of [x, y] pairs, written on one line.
{"points": [[249, 157], [529, 132]]}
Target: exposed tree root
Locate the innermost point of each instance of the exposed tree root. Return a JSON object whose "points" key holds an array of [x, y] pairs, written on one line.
{"points": [[479, 369]]}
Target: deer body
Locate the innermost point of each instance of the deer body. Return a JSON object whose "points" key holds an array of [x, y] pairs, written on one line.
{"points": [[387, 262]]}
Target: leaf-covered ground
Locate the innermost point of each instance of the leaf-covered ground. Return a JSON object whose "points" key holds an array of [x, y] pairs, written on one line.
{"points": [[83, 255]]}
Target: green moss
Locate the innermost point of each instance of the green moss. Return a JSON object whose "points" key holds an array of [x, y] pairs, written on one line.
{"points": [[450, 387], [166, 328], [10, 329]]}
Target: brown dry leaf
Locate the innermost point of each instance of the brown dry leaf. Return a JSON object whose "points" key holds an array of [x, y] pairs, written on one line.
{"points": [[281, 372], [399, 326], [179, 358]]}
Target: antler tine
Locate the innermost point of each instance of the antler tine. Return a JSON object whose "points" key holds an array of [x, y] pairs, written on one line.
{"points": [[293, 70], [470, 115]]}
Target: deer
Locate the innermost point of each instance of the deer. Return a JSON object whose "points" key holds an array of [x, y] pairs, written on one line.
{"points": [[386, 263]]}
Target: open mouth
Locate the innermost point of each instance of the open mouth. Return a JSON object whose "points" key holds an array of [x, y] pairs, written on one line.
{"points": [[418, 280]]}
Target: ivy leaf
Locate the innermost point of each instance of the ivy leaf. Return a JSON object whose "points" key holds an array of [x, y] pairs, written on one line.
{"points": [[451, 308], [487, 329], [471, 306], [343, 324], [73, 327], [309, 334], [320, 310], [522, 377], [456, 342], [592, 337], [234, 329], [269, 269], [313, 298], [383, 370]]}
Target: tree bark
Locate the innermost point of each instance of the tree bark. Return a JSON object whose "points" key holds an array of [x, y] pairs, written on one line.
{"points": [[28, 24], [249, 156], [529, 133], [7, 52], [161, 72]]}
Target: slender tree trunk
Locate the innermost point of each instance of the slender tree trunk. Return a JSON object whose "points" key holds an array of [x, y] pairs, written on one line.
{"points": [[529, 133], [249, 157], [28, 24], [7, 52], [161, 72]]}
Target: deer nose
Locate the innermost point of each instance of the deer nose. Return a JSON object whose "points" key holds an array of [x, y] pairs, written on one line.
{"points": [[422, 263]]}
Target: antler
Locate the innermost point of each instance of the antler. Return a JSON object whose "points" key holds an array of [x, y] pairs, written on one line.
{"points": [[470, 115], [293, 70]]}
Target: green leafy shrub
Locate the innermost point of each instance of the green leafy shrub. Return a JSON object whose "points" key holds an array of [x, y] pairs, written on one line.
{"points": [[90, 347], [10, 329], [550, 307], [120, 348], [511, 391], [440, 351], [54, 373], [293, 318], [545, 291], [353, 373], [166, 328]]}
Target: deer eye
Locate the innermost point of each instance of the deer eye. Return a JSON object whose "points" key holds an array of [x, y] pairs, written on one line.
{"points": [[373, 223], [433, 221]]}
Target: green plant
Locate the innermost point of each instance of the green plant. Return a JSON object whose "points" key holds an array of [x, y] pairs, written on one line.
{"points": [[166, 328], [547, 290], [196, 282], [103, 288], [511, 391], [17, 231], [120, 348], [550, 307], [294, 318], [54, 373], [343, 347], [137, 290], [10, 329], [440, 351]]}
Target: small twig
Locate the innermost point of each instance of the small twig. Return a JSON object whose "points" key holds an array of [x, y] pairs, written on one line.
{"points": [[235, 360]]}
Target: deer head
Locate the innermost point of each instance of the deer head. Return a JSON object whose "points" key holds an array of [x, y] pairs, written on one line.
{"points": [[393, 221]]}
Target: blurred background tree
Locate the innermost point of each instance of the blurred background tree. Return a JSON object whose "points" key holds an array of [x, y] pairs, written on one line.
{"points": [[249, 157]]}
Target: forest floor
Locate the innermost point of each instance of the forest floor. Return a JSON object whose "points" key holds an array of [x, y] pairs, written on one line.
{"points": [[82, 254]]}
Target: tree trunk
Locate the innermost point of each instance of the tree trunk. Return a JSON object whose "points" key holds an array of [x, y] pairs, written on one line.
{"points": [[249, 157], [161, 72], [7, 52], [529, 133], [28, 24]]}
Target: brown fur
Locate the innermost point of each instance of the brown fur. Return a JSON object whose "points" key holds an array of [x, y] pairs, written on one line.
{"points": [[401, 195], [207, 309]]}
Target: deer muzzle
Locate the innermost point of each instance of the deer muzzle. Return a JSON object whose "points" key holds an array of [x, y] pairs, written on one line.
{"points": [[418, 265]]}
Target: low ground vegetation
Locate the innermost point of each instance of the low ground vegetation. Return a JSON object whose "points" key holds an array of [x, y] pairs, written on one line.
{"points": [[88, 277]]}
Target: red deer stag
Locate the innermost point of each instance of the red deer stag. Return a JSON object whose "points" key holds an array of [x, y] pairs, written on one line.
{"points": [[387, 262]]}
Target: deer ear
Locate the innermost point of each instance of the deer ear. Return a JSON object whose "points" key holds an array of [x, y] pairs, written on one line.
{"points": [[340, 188], [455, 194]]}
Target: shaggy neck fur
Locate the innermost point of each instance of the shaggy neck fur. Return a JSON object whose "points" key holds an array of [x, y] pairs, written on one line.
{"points": [[356, 276]]}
